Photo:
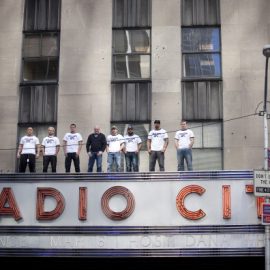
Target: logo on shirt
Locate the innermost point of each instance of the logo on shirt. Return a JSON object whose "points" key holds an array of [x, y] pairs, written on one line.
{"points": [[50, 141], [28, 140], [72, 137]]}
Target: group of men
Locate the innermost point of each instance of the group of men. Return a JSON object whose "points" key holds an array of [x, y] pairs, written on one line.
{"points": [[157, 142]]}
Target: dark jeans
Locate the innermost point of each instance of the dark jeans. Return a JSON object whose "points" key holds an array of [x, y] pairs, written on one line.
{"points": [[159, 156], [30, 159], [132, 162], [184, 154], [76, 160], [47, 160], [95, 157]]}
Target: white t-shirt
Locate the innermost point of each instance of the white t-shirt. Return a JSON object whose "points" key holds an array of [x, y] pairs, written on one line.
{"points": [[132, 142], [157, 139], [29, 144], [114, 142], [183, 137], [72, 140], [50, 144]]}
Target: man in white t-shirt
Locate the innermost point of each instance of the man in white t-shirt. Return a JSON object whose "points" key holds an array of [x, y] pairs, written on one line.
{"points": [[115, 144], [184, 140], [50, 148], [133, 144], [28, 151], [157, 144], [72, 145]]}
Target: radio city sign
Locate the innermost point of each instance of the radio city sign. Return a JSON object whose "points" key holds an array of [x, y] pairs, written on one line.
{"points": [[129, 203]]}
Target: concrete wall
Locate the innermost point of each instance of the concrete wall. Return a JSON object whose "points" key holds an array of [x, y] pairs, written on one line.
{"points": [[85, 69], [11, 24], [244, 31], [166, 71]]}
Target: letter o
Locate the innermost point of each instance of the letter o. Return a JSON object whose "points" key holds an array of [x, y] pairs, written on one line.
{"points": [[117, 190]]}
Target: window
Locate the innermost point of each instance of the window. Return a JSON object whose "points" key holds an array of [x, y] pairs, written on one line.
{"points": [[131, 102], [207, 149], [42, 15], [38, 104], [131, 13], [201, 81], [200, 12], [131, 54], [202, 100], [131, 63], [40, 57], [201, 52]]}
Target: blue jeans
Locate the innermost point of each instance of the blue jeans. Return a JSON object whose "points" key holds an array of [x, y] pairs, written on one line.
{"points": [[132, 162], [156, 156], [95, 157], [114, 157], [184, 154]]}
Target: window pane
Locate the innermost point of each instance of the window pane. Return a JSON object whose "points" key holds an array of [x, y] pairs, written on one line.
{"points": [[131, 66], [131, 102], [31, 46], [200, 12], [120, 67], [212, 134], [131, 41], [201, 65], [128, 13], [40, 69], [196, 127], [202, 100], [38, 104], [207, 159], [49, 45], [200, 39], [41, 15]]}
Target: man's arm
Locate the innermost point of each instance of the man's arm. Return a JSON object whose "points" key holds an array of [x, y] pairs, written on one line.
{"points": [[37, 150], [65, 147], [191, 142], [149, 146], [176, 143], [166, 142], [79, 147], [19, 150]]}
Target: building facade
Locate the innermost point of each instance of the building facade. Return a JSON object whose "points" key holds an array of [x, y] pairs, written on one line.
{"points": [[120, 62]]}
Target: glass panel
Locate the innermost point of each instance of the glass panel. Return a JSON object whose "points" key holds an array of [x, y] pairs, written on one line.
{"points": [[200, 65], [54, 11], [31, 46], [128, 13], [196, 127], [131, 41], [139, 66], [140, 41], [42, 15], [49, 45], [40, 69], [143, 102], [207, 159], [212, 134], [29, 14], [200, 39], [25, 105], [200, 12], [120, 67], [120, 44]]}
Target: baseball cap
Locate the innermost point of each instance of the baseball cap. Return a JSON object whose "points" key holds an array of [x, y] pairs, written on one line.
{"points": [[113, 127], [130, 127], [157, 122]]}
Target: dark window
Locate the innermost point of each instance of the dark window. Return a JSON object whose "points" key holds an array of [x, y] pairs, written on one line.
{"points": [[201, 52], [38, 104], [202, 100], [131, 102], [131, 13], [200, 12], [42, 15]]}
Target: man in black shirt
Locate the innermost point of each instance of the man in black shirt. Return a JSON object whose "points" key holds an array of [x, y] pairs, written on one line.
{"points": [[95, 146]]}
